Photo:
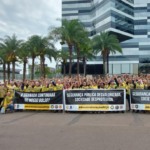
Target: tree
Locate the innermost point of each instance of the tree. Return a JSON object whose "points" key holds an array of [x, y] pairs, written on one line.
{"points": [[33, 43], [23, 54], [87, 53], [80, 45], [67, 33], [46, 48], [3, 61], [106, 43], [10, 46], [62, 56]]}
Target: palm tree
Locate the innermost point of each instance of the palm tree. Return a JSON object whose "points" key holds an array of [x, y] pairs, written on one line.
{"points": [[3, 61], [67, 33], [23, 54], [87, 53], [11, 45], [106, 43], [33, 43], [81, 43], [46, 48], [62, 56], [40, 46]]}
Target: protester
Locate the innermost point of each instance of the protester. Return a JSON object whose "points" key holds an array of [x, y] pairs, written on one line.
{"points": [[124, 81], [7, 103]]}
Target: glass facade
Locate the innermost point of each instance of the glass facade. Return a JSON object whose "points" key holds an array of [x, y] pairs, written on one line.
{"points": [[128, 19], [124, 7]]}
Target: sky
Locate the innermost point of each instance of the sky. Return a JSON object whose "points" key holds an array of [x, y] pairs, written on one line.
{"points": [[29, 17]]}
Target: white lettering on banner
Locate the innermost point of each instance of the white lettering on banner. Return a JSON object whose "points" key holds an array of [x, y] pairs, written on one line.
{"points": [[102, 99], [74, 94], [94, 94], [37, 95], [82, 99], [109, 94], [102, 94], [145, 98], [44, 100], [114, 94], [37, 100], [28, 95], [90, 94], [34, 100], [46, 94], [141, 93]]}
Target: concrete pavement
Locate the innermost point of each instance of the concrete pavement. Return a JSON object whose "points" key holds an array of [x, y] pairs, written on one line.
{"points": [[72, 131]]}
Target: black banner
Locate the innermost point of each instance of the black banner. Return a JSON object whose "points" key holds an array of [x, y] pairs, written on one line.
{"points": [[140, 99], [140, 96], [95, 99], [42, 100]]}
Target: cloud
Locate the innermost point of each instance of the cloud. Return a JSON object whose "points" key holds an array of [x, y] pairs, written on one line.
{"points": [[28, 17]]}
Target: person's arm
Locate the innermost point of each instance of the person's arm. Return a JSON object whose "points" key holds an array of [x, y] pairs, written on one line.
{"points": [[117, 83], [134, 85]]}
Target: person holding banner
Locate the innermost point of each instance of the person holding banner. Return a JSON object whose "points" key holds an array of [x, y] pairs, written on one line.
{"points": [[7, 103], [3, 91], [130, 84]]}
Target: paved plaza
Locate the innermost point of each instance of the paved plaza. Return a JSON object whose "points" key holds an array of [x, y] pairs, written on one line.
{"points": [[37, 130]]}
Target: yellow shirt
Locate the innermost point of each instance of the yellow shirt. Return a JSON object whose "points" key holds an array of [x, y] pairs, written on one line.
{"points": [[2, 92], [59, 87], [106, 86], [7, 101], [17, 89], [112, 87], [45, 89], [37, 89], [29, 89], [121, 87], [85, 87], [139, 86], [94, 87]]}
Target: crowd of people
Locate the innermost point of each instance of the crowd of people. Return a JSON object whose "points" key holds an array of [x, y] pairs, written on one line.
{"points": [[124, 81]]}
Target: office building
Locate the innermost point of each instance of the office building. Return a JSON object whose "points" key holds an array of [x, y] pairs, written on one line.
{"points": [[129, 20]]}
